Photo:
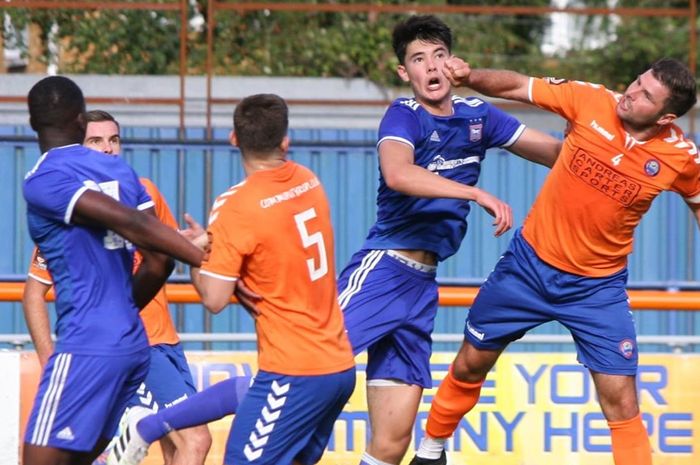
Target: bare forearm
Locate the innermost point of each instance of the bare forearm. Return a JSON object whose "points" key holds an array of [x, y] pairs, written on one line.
{"points": [[418, 182], [150, 277], [142, 229], [499, 83], [36, 314], [149, 233]]}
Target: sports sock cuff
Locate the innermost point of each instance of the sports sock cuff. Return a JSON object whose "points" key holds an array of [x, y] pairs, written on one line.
{"points": [[463, 384]]}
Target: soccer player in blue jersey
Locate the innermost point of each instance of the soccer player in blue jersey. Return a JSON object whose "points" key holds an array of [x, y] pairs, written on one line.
{"points": [[85, 211], [431, 147], [169, 380]]}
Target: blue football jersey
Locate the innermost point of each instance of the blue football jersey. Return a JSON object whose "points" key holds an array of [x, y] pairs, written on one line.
{"points": [[449, 146], [90, 266]]}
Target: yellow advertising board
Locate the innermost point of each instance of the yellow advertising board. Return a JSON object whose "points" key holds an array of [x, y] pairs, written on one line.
{"points": [[535, 409]]}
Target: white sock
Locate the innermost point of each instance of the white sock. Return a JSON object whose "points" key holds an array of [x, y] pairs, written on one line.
{"points": [[431, 448], [369, 460]]}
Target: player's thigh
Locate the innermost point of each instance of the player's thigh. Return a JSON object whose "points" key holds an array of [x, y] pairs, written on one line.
{"points": [[392, 410], [286, 418], [511, 301], [377, 294], [168, 381], [603, 328], [81, 397]]}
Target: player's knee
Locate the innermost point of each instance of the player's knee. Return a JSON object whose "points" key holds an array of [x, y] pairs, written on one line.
{"points": [[197, 440], [389, 449], [467, 368]]}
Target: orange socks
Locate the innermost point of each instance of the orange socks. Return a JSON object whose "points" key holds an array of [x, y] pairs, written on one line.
{"points": [[630, 442], [453, 400]]}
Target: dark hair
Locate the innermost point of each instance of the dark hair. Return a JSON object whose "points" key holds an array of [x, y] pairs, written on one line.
{"points": [[260, 122], [426, 28], [679, 81], [55, 102], [98, 116]]}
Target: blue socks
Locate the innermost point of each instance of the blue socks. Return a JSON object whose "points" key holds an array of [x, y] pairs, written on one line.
{"points": [[211, 404]]}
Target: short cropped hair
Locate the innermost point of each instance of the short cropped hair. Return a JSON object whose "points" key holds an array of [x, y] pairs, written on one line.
{"points": [[55, 102], [426, 28], [679, 81], [98, 116], [260, 122]]}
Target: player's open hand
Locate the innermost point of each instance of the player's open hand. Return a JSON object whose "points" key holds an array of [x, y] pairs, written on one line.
{"points": [[457, 71], [247, 298], [195, 233], [501, 211]]}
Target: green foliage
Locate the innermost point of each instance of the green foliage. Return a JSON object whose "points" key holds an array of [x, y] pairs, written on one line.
{"points": [[277, 43], [635, 43]]}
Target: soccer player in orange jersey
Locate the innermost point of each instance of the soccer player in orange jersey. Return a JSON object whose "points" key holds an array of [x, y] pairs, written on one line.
{"points": [[568, 263], [169, 379], [274, 231]]}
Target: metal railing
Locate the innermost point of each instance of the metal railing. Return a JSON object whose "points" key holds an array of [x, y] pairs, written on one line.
{"points": [[449, 296]]}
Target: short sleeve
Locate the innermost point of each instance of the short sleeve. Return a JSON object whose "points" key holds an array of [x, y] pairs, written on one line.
{"points": [[38, 268], [559, 95], [502, 129], [161, 206], [687, 184], [232, 240], [53, 193], [400, 123]]}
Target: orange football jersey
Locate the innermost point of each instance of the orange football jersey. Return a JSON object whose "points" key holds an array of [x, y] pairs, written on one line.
{"points": [[274, 231], [156, 315], [584, 217]]}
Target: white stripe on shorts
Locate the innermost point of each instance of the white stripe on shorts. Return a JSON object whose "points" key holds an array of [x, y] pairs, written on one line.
{"points": [[52, 397], [357, 278]]}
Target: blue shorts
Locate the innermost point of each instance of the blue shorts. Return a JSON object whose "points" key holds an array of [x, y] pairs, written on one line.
{"points": [[81, 398], [523, 292], [283, 418], [389, 308], [168, 381]]}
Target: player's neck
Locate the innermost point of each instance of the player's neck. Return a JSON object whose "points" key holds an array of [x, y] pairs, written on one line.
{"points": [[438, 108], [644, 133], [50, 138], [253, 163]]}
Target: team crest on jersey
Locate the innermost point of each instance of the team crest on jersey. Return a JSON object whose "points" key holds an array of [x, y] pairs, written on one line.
{"points": [[652, 167], [555, 81], [627, 348], [475, 132]]}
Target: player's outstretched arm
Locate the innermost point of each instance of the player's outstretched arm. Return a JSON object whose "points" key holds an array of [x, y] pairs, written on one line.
{"points": [[143, 230], [402, 175], [537, 147], [36, 314], [499, 83]]}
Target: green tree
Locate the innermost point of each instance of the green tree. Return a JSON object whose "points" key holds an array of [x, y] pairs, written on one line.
{"points": [[106, 41], [634, 42]]}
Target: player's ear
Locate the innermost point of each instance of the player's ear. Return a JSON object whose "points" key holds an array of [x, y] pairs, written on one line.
{"points": [[667, 118], [285, 144], [233, 139], [401, 71]]}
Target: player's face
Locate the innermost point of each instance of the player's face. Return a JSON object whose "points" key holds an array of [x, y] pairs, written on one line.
{"points": [[642, 104], [422, 68], [103, 136]]}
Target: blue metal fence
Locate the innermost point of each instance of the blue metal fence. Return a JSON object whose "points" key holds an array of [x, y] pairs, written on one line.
{"points": [[191, 173]]}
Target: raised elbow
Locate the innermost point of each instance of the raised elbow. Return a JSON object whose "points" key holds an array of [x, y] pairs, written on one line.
{"points": [[213, 305]]}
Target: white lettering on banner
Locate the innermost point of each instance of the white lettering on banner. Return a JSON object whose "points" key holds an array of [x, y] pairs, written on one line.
{"points": [[535, 408]]}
